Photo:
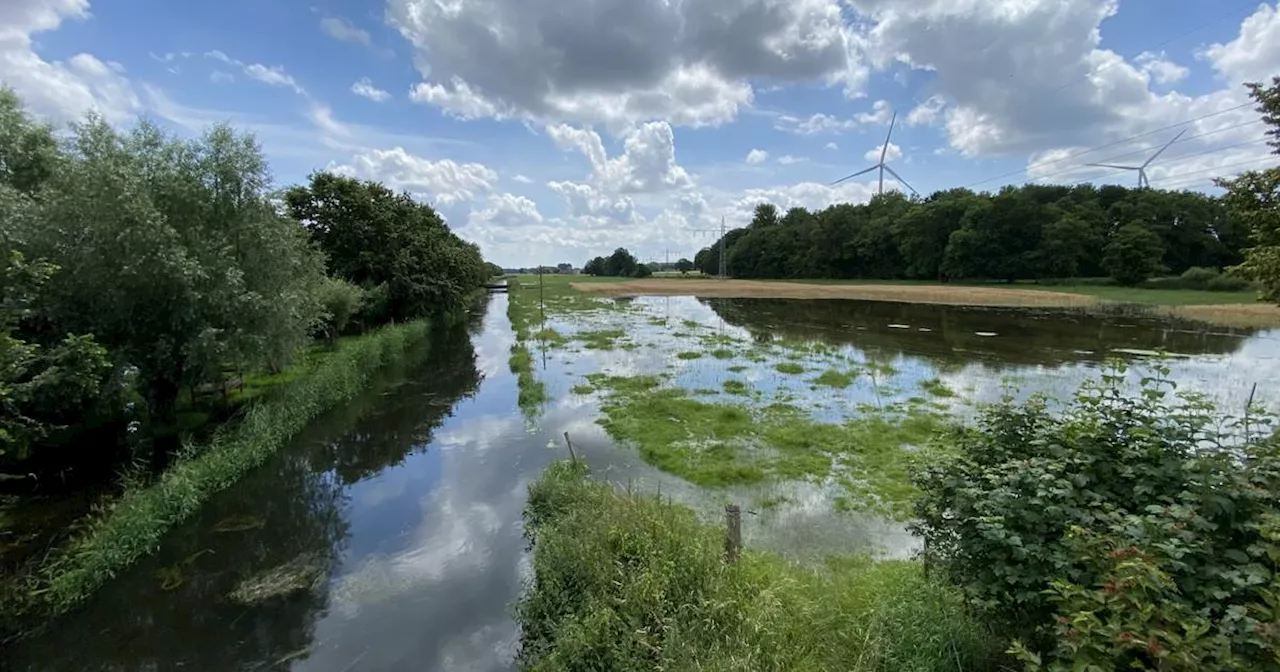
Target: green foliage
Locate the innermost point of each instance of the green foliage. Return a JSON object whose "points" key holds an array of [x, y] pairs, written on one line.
{"points": [[135, 523], [630, 582], [375, 237], [1028, 232], [1133, 255], [1254, 200], [168, 252], [641, 271], [340, 300], [1131, 530], [684, 265], [619, 264], [42, 389]]}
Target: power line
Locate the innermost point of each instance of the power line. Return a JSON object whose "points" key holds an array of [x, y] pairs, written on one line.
{"points": [[1153, 47], [1177, 177], [1124, 141], [1170, 159]]}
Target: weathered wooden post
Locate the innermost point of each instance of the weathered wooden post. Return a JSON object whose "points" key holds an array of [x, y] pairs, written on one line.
{"points": [[732, 533], [572, 457]]}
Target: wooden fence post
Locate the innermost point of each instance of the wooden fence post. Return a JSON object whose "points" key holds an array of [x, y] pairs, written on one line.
{"points": [[733, 532], [572, 457]]}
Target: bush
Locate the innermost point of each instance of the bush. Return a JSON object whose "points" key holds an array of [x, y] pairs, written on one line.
{"points": [[642, 271], [1198, 277], [632, 582], [1228, 283], [1127, 531], [340, 301]]}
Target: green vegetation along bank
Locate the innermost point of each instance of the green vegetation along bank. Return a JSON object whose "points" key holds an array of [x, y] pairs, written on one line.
{"points": [[626, 581], [132, 526]]}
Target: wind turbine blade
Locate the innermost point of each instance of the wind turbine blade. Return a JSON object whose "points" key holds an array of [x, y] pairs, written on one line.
{"points": [[904, 182], [1112, 165], [860, 172], [888, 135], [1166, 146]]}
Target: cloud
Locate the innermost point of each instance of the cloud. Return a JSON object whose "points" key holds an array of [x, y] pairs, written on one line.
{"points": [[757, 156], [273, 75], [343, 31], [832, 146], [927, 113], [506, 210], [647, 164], [365, 88], [220, 77], [1161, 70], [521, 179], [443, 182], [60, 90], [787, 159], [1255, 53], [620, 62], [891, 153], [819, 123]]}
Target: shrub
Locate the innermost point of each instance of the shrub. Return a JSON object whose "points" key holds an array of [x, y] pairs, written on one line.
{"points": [[340, 300], [1127, 531], [1227, 283], [1197, 277], [642, 271]]}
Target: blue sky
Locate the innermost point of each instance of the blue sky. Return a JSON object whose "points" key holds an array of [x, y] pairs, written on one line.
{"points": [[555, 130]]}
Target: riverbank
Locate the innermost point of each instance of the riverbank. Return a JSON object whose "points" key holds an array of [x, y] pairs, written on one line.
{"points": [[629, 581], [132, 525], [1235, 309]]}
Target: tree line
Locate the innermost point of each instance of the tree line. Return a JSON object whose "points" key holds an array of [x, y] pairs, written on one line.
{"points": [[1027, 232], [619, 264], [137, 266]]}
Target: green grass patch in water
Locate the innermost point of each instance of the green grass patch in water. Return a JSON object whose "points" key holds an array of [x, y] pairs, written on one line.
{"points": [[600, 339], [736, 387], [789, 368], [937, 388], [722, 353], [630, 582], [736, 369], [834, 378], [688, 355], [583, 388]]}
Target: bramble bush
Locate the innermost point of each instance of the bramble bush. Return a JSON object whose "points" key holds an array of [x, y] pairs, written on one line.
{"points": [[1131, 530]]}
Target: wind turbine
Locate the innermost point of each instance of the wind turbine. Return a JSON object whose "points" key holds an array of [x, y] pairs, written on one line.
{"points": [[1143, 182], [881, 165]]}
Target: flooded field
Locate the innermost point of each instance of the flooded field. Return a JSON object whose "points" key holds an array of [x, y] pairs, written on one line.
{"points": [[389, 536]]}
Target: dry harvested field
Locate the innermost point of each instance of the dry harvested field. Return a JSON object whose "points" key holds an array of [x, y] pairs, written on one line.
{"points": [[1257, 315], [946, 295]]}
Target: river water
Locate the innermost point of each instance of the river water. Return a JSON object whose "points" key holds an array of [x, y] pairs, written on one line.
{"points": [[410, 497]]}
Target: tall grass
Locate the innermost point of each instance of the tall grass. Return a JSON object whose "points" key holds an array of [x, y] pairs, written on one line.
{"points": [[135, 523], [630, 582]]}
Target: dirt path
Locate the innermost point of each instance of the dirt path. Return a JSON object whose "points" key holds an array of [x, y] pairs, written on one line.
{"points": [[946, 295]]}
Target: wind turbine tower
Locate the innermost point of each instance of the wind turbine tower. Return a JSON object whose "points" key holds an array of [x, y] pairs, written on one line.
{"points": [[881, 164], [1143, 182]]}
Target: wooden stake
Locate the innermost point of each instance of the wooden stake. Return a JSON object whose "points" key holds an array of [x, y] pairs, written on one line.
{"points": [[572, 457], [732, 533]]}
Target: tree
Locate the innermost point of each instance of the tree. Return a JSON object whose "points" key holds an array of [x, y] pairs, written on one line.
{"points": [[620, 264], [1133, 254], [641, 271], [684, 266], [1254, 199], [766, 215], [373, 236], [594, 267], [170, 254], [42, 389], [340, 300]]}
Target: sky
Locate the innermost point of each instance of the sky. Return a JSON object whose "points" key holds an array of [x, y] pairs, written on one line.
{"points": [[552, 131]]}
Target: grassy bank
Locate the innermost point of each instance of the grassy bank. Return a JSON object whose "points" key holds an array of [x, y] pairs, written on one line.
{"points": [[135, 523], [623, 581]]}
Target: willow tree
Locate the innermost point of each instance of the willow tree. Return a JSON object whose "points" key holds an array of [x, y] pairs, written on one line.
{"points": [[169, 253]]}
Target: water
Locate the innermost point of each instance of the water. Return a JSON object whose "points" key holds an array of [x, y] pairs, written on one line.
{"points": [[410, 498]]}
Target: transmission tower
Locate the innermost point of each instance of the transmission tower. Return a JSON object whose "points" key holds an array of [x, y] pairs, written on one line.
{"points": [[724, 260]]}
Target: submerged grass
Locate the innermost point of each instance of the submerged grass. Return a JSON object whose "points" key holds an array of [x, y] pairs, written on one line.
{"points": [[134, 524], [722, 353], [789, 368], [937, 388], [688, 355], [836, 379], [715, 444], [630, 582]]}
